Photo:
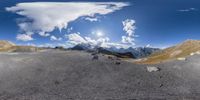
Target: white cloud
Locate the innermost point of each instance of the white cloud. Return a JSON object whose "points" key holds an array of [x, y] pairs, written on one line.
{"points": [[129, 28], [53, 38], [44, 34], [75, 39], [148, 45], [118, 45], [91, 19], [188, 10], [24, 37], [44, 17], [128, 40]]}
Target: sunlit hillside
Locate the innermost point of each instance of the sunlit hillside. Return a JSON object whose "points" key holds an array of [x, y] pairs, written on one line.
{"points": [[189, 47]]}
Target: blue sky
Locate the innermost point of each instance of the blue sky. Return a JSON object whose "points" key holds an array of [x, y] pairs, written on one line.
{"points": [[158, 23]]}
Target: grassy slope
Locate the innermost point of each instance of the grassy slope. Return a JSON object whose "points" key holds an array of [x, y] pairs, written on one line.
{"points": [[181, 50]]}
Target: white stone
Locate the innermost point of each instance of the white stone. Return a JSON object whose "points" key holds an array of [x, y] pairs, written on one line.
{"points": [[191, 54], [181, 58], [198, 52], [152, 69]]}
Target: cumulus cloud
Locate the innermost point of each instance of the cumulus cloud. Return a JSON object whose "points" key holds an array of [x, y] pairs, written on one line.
{"points": [[44, 17], [24, 37], [129, 28], [91, 19], [188, 10], [76, 38], [44, 34], [128, 40], [53, 38]]}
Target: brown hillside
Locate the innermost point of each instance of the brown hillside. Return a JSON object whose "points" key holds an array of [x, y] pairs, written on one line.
{"points": [[181, 50], [6, 46]]}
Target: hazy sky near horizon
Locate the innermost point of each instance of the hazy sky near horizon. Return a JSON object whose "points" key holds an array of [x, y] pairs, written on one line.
{"points": [[158, 23]]}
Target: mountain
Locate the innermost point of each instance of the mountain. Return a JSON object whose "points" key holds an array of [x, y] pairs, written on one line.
{"points": [[7, 46], [86, 47], [189, 47], [130, 52], [137, 52], [115, 53]]}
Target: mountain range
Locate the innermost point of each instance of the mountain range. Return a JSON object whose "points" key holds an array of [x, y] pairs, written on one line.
{"points": [[143, 55], [130, 52]]}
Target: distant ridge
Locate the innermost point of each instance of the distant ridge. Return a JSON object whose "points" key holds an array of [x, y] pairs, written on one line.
{"points": [[188, 47], [7, 46], [138, 52]]}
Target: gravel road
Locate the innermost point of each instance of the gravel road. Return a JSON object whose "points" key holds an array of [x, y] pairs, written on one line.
{"points": [[73, 75]]}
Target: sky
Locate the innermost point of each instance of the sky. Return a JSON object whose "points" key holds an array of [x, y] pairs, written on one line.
{"points": [[106, 23]]}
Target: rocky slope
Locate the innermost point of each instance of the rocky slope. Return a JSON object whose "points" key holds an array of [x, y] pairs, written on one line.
{"points": [[189, 47], [7, 46]]}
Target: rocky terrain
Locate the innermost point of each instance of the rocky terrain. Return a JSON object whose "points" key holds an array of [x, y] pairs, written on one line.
{"points": [[75, 75], [7, 46], [60, 74], [179, 52]]}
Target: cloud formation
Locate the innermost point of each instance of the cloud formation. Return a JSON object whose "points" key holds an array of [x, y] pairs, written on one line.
{"points": [[129, 28], [53, 38], [91, 19], [24, 37], [76, 38], [44, 17]]}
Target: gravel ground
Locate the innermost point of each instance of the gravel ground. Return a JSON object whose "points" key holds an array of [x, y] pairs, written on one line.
{"points": [[73, 75]]}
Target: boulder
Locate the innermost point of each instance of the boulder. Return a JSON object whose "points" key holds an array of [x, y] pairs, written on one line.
{"points": [[152, 69]]}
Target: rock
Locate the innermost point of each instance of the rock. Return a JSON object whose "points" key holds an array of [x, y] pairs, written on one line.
{"points": [[161, 85], [152, 69], [181, 59], [95, 57], [59, 48], [117, 63], [191, 54], [198, 52], [109, 57]]}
